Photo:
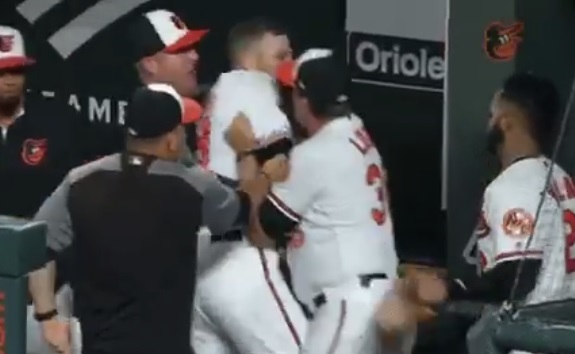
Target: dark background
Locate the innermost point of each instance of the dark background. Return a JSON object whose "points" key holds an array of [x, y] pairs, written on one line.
{"points": [[406, 124]]}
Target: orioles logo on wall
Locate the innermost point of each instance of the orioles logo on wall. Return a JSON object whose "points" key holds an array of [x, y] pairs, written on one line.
{"points": [[6, 43], [34, 151], [500, 42], [518, 223]]}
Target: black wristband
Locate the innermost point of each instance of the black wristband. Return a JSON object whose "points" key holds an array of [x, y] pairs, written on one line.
{"points": [[41, 317]]}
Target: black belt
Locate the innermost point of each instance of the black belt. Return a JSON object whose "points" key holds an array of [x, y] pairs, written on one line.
{"points": [[230, 236], [364, 280]]}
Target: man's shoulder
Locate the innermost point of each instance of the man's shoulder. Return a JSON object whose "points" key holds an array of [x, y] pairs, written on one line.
{"points": [[109, 163]]}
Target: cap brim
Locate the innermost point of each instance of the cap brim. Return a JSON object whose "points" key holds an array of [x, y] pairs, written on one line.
{"points": [[15, 62], [285, 73], [191, 38], [192, 111]]}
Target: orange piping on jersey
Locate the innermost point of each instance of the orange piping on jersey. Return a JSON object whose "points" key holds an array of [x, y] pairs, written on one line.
{"points": [[290, 213], [510, 255], [482, 229], [565, 193], [277, 298]]}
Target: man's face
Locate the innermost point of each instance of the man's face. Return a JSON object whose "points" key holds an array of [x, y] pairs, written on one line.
{"points": [[176, 143], [301, 110], [273, 49], [178, 70], [12, 82]]}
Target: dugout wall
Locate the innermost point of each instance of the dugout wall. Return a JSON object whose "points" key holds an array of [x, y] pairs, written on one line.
{"points": [[487, 41], [81, 59]]}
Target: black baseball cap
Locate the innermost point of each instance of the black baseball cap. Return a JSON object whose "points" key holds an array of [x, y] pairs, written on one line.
{"points": [[161, 31], [157, 109], [318, 75]]}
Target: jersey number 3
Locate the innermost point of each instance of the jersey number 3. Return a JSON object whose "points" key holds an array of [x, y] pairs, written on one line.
{"points": [[375, 178], [569, 219], [374, 175]]}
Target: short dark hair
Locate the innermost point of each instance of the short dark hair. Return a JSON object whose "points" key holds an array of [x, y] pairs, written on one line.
{"points": [[538, 98], [245, 33]]}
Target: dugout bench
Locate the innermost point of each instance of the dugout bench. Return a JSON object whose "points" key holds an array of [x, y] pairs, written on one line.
{"points": [[22, 250]]}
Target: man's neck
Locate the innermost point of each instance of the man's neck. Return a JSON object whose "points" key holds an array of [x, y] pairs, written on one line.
{"points": [[520, 149], [316, 125], [7, 120]]}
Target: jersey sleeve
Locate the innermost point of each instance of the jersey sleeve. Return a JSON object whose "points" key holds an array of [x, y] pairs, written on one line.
{"points": [[293, 196], [54, 212], [261, 106], [509, 214]]}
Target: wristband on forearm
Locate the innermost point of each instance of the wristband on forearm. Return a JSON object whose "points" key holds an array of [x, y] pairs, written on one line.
{"points": [[45, 316]]}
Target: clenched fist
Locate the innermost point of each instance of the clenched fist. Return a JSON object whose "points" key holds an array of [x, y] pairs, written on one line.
{"points": [[277, 169]]}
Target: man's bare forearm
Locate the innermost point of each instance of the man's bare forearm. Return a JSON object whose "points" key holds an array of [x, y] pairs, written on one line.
{"points": [[257, 188], [41, 286]]}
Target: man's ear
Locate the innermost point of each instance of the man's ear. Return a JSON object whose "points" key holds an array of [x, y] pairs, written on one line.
{"points": [[148, 65], [240, 134]]}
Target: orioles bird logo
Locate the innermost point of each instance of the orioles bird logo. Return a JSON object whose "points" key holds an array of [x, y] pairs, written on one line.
{"points": [[33, 151], [6, 43], [500, 42]]}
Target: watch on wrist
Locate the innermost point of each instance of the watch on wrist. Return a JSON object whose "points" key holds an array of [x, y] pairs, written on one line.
{"points": [[45, 316]]}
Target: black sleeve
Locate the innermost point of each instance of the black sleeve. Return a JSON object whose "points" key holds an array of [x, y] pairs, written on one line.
{"points": [[274, 222], [265, 153], [495, 285]]}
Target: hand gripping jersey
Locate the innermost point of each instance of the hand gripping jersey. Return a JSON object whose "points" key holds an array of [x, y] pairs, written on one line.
{"points": [[336, 191], [250, 93], [508, 219]]}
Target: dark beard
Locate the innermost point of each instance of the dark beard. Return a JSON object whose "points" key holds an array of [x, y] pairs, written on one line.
{"points": [[9, 105], [495, 138]]}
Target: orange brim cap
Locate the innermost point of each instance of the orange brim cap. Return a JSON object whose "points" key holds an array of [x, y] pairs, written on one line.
{"points": [[188, 40], [15, 62], [192, 111], [286, 73]]}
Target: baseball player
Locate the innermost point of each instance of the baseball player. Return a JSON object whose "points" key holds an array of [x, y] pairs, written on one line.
{"points": [[164, 50], [334, 205], [520, 132], [243, 303]]}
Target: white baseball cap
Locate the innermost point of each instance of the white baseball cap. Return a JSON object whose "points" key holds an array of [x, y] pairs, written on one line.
{"points": [[12, 51], [162, 31]]}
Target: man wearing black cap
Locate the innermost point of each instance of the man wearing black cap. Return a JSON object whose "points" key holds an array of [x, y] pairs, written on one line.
{"points": [[131, 220], [334, 204], [40, 140], [164, 50]]}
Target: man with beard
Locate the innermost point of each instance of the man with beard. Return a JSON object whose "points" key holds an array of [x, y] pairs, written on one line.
{"points": [[521, 130], [40, 140], [341, 246]]}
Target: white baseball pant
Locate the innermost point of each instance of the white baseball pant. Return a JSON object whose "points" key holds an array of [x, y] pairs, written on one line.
{"points": [[345, 323], [244, 306]]}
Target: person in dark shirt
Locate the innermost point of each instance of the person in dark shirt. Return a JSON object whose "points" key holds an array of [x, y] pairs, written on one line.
{"points": [[41, 139], [132, 220]]}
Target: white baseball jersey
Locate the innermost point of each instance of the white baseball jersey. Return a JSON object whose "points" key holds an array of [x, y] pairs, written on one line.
{"points": [[336, 192], [252, 93], [507, 220]]}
